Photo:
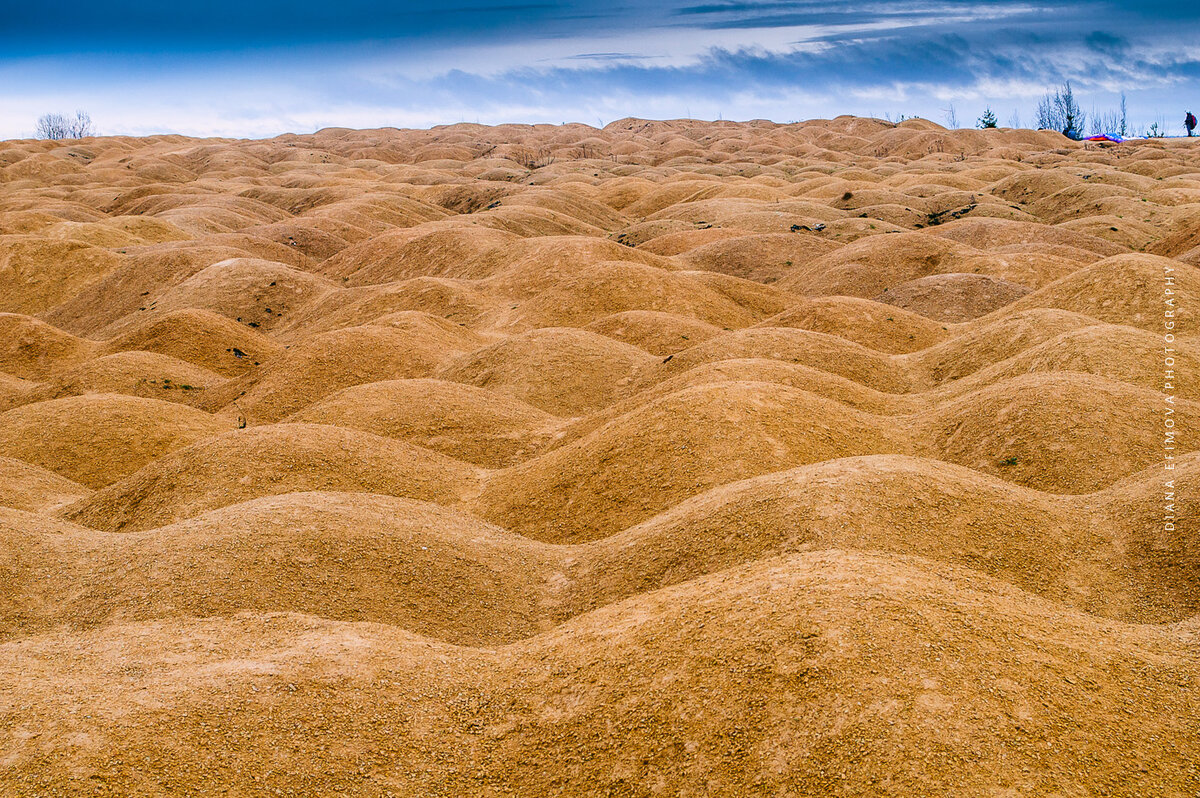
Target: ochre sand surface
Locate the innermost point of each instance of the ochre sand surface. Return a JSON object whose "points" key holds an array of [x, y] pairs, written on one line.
{"points": [[668, 458]]}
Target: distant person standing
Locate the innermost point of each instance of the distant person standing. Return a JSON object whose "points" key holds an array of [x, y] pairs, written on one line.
{"points": [[1189, 122]]}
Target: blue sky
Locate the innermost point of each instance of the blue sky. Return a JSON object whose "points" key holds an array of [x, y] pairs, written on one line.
{"points": [[253, 69]]}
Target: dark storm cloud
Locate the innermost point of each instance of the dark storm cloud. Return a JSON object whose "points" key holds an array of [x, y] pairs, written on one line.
{"points": [[1107, 43]]}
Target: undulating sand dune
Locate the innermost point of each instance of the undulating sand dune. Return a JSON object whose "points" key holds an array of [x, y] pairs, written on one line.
{"points": [[667, 458]]}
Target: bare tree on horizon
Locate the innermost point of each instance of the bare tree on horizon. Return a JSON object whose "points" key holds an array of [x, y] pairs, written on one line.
{"points": [[951, 116], [1060, 111], [55, 127]]}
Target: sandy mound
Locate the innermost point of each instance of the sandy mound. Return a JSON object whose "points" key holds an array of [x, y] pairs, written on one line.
{"points": [[1191, 257], [953, 297], [118, 298], [676, 193], [257, 293], [1060, 432], [827, 621], [127, 231], [313, 243], [1179, 242], [338, 555], [408, 253], [757, 299], [280, 458], [669, 449], [561, 371], [532, 221], [990, 234], [656, 332], [764, 259], [1126, 289], [871, 324], [454, 300], [326, 363], [99, 438], [145, 374], [205, 339], [461, 421], [1079, 201], [985, 342], [33, 350], [822, 351], [1045, 544], [450, 335], [868, 266], [569, 203], [528, 268], [37, 274], [681, 240], [1161, 560], [1035, 268], [1028, 187], [1129, 234], [1123, 354], [616, 287], [15, 392], [777, 372], [27, 487]]}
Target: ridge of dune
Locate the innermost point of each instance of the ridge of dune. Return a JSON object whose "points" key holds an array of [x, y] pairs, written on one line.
{"points": [[201, 337], [24, 486], [274, 459], [1061, 432], [826, 646], [96, 439], [1077, 550], [462, 421]]}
